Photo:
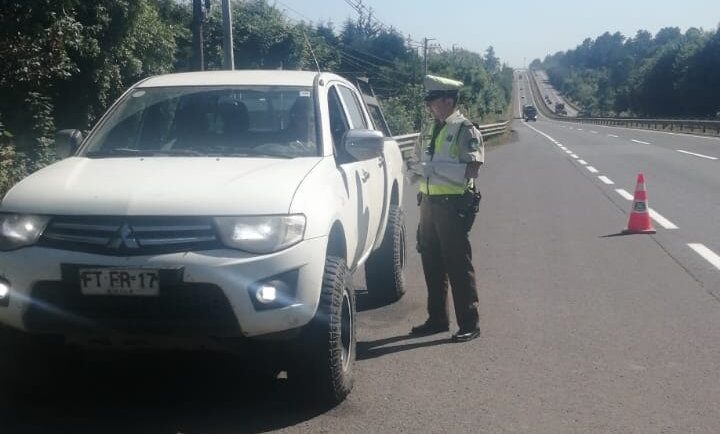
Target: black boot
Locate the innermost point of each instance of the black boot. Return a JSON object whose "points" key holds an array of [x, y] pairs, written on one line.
{"points": [[429, 328], [464, 335]]}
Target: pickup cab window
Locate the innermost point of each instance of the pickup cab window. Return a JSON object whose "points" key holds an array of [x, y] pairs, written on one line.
{"points": [[271, 121], [353, 107]]}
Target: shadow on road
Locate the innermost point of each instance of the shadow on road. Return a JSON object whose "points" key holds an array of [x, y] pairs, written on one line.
{"points": [[619, 234], [156, 394], [372, 349]]}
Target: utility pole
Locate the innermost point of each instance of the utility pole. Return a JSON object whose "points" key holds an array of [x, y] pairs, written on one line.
{"points": [[198, 63], [425, 52], [229, 60]]}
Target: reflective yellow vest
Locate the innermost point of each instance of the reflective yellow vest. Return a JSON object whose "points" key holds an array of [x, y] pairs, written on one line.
{"points": [[449, 178]]}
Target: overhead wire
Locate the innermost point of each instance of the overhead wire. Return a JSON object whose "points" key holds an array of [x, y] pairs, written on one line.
{"points": [[362, 64]]}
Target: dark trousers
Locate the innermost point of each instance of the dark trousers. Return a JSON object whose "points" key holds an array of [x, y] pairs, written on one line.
{"points": [[444, 245]]}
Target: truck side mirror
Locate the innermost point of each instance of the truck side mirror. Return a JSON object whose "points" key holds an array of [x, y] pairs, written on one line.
{"points": [[364, 144], [67, 142]]}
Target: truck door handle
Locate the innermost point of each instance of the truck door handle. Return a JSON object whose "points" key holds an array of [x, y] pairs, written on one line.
{"points": [[381, 161], [365, 176]]}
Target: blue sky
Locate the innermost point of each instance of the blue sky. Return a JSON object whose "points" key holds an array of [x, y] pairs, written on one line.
{"points": [[519, 29]]}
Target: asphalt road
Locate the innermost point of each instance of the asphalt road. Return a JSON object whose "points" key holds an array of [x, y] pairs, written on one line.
{"points": [[543, 82], [584, 331]]}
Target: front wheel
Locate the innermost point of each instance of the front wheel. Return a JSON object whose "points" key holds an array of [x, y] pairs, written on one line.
{"points": [[384, 268], [324, 361]]}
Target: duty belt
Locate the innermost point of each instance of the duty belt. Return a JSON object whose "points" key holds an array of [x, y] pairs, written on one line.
{"points": [[441, 197]]}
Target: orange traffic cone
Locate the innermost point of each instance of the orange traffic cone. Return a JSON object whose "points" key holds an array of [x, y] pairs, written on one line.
{"points": [[639, 222]]}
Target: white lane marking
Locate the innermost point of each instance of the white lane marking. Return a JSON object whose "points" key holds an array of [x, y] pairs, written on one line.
{"points": [[592, 169], [580, 129], [613, 135], [594, 132], [567, 151], [606, 180], [646, 130], [583, 162], [624, 194], [706, 253], [662, 221], [697, 155], [574, 156], [640, 141]]}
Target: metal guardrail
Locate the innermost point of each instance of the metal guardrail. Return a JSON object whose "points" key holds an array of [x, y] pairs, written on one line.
{"points": [[407, 141], [686, 126]]}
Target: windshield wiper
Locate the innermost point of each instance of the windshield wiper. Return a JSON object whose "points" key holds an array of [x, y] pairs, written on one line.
{"points": [[254, 153], [182, 152], [120, 152]]}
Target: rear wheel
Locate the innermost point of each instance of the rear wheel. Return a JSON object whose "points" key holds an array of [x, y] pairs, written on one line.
{"points": [[324, 359], [384, 268]]}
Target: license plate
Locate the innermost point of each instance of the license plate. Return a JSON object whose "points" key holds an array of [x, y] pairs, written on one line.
{"points": [[119, 281]]}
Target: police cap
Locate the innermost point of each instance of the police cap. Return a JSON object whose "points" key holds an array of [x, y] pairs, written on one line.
{"points": [[436, 87]]}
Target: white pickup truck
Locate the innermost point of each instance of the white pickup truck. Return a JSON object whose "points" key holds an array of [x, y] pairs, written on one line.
{"points": [[212, 207]]}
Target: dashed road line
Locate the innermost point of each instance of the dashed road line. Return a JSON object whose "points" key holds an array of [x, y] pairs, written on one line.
{"points": [[697, 155], [624, 193], [593, 131], [613, 135], [574, 156], [662, 221], [640, 141], [706, 253]]}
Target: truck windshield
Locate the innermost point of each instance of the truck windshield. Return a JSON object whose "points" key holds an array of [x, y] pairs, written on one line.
{"points": [[236, 121]]}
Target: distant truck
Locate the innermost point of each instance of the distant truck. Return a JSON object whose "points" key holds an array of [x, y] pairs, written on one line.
{"points": [[560, 109], [529, 113]]}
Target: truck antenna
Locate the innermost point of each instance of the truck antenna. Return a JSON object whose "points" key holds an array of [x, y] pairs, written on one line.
{"points": [[307, 41]]}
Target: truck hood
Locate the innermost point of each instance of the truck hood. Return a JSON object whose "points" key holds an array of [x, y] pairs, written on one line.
{"points": [[178, 186]]}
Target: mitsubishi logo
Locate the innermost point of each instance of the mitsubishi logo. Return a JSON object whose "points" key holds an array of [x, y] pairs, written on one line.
{"points": [[125, 238]]}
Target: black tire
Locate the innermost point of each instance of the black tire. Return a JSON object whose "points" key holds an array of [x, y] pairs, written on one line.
{"points": [[384, 268], [324, 359]]}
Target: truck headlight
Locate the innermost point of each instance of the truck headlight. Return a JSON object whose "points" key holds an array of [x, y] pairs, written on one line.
{"points": [[261, 234], [17, 230]]}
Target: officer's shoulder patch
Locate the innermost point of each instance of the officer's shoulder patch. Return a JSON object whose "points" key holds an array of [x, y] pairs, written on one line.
{"points": [[467, 123]]}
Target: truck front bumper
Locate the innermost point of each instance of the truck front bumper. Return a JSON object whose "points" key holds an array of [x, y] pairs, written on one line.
{"points": [[208, 293]]}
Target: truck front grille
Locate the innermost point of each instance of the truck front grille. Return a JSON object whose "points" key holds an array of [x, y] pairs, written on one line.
{"points": [[123, 236]]}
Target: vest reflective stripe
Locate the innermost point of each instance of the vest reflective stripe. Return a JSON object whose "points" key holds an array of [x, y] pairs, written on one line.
{"points": [[441, 189], [446, 150]]}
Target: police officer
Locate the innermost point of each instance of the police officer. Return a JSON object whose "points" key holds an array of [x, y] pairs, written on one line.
{"points": [[445, 162]]}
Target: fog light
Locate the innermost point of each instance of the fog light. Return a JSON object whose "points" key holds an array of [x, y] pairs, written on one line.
{"points": [[4, 289], [275, 292], [266, 294]]}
